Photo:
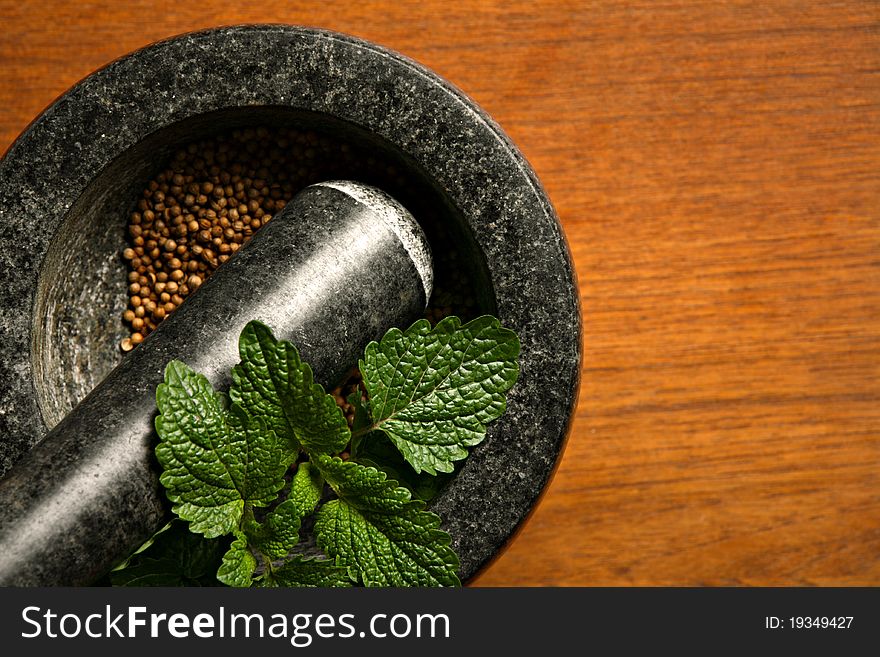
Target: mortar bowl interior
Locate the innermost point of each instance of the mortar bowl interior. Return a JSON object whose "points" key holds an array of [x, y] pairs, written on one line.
{"points": [[82, 285]]}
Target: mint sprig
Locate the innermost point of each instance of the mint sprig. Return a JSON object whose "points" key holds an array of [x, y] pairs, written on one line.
{"points": [[226, 464]]}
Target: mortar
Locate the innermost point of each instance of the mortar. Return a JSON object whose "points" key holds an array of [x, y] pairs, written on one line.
{"points": [[68, 184]]}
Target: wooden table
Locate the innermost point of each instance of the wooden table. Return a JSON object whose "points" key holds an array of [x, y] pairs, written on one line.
{"points": [[717, 170]]}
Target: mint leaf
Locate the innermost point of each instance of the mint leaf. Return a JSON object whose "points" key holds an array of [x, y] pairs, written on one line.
{"points": [[279, 532], [174, 557], [215, 460], [301, 571], [433, 391], [238, 564], [377, 451], [272, 382], [378, 532], [306, 489]]}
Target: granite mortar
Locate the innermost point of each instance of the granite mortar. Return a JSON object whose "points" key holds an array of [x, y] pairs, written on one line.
{"points": [[98, 144]]}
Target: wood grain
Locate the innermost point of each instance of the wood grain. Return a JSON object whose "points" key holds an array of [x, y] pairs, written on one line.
{"points": [[717, 170]]}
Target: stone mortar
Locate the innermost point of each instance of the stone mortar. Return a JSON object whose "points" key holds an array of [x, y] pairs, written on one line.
{"points": [[67, 184]]}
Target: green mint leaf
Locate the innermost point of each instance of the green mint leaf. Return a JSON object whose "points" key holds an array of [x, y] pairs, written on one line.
{"points": [[432, 391], [377, 451], [272, 382], [279, 532], [306, 489], [238, 564], [301, 571], [378, 532], [174, 557], [215, 460]]}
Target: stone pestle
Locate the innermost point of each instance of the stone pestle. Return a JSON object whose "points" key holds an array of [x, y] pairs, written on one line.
{"points": [[341, 264]]}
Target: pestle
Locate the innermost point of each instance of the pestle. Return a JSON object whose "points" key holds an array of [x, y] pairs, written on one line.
{"points": [[341, 264]]}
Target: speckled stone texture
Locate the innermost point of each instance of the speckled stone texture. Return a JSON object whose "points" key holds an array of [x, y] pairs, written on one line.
{"points": [[438, 129]]}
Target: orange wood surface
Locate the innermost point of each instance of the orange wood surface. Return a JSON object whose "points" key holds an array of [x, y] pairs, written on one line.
{"points": [[716, 166]]}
